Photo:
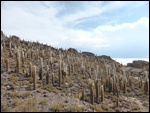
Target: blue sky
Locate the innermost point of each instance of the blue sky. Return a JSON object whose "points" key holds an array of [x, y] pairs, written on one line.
{"points": [[114, 28]]}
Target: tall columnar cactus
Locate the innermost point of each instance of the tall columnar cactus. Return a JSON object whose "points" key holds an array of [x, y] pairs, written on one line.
{"points": [[102, 93], [23, 56], [117, 101], [83, 94], [141, 82], [47, 75], [146, 86], [7, 65], [95, 75], [18, 62], [130, 80], [125, 86], [2, 51], [92, 93], [114, 84], [4, 46], [10, 52], [41, 69], [111, 85], [72, 67], [30, 69], [101, 75], [97, 90], [53, 79], [37, 53], [34, 77], [43, 53], [117, 91], [69, 69], [32, 54], [60, 74]]}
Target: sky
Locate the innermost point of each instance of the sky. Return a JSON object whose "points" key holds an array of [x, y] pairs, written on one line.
{"points": [[114, 28]]}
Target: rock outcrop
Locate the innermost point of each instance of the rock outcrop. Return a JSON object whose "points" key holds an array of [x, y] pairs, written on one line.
{"points": [[88, 54], [72, 50], [138, 64]]}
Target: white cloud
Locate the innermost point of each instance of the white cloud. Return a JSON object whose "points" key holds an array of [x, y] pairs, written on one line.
{"points": [[41, 23]]}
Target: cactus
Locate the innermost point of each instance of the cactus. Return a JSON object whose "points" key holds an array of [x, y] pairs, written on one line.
{"points": [[110, 85], [146, 86], [60, 74], [97, 90], [117, 101], [69, 69], [125, 87], [141, 83], [7, 65], [43, 53], [47, 75], [53, 79], [37, 53], [95, 75], [18, 62], [130, 80], [22, 56], [92, 93], [114, 82], [30, 69], [41, 69], [34, 77], [83, 94], [117, 91], [121, 85], [102, 93]]}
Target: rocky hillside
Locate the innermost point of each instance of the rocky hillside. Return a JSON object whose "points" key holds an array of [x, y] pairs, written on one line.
{"points": [[38, 77]]}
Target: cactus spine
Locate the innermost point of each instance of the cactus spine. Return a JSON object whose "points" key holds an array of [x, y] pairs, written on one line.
{"points": [[34, 77]]}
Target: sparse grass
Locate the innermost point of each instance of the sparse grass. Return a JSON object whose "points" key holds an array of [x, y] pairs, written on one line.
{"points": [[135, 107], [107, 108], [99, 108], [25, 82], [26, 94], [49, 88], [15, 103], [28, 106], [30, 79], [91, 106], [77, 108], [3, 108], [13, 79], [71, 83], [57, 107], [14, 94], [30, 87], [43, 102]]}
